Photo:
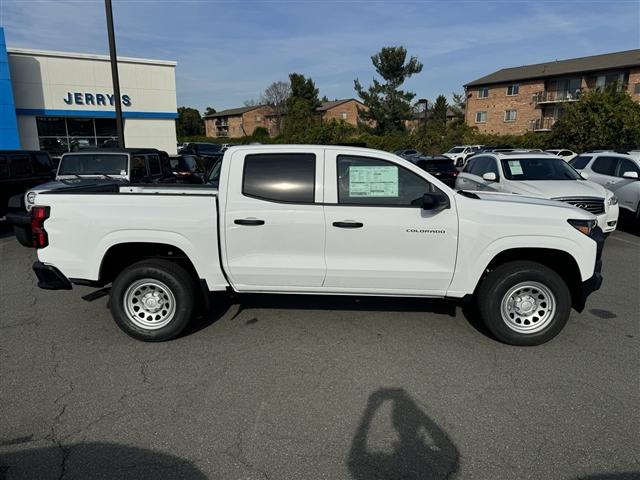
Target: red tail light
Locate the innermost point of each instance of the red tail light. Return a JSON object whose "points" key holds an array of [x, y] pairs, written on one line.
{"points": [[38, 216]]}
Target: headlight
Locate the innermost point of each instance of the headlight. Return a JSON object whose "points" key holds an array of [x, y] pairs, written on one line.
{"points": [[613, 200], [584, 226], [31, 197]]}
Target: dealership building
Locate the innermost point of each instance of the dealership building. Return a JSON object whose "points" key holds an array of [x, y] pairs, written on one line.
{"points": [[61, 101]]}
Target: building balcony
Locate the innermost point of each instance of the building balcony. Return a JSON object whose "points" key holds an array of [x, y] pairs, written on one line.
{"points": [[556, 96], [542, 124], [221, 123]]}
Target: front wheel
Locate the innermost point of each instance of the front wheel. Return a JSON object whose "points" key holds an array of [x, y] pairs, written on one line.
{"points": [[524, 303], [153, 300]]}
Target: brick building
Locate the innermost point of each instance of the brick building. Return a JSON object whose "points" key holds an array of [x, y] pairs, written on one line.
{"points": [[532, 97], [241, 122]]}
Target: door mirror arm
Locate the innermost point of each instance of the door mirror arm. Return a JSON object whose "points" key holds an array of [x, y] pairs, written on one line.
{"points": [[490, 177], [630, 175], [435, 202]]}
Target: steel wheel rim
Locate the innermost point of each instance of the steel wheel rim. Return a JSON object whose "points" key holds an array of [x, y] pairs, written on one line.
{"points": [[528, 307], [149, 304]]}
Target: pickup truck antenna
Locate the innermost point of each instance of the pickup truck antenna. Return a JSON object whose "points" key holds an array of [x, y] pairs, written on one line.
{"points": [[114, 73]]}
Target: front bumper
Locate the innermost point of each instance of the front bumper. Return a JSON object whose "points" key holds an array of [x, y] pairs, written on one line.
{"points": [[608, 221], [595, 282], [50, 278]]}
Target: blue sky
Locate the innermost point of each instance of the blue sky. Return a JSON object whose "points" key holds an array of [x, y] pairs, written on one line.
{"points": [[229, 51]]}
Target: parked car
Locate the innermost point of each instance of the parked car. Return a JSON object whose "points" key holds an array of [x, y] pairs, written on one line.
{"points": [[566, 155], [209, 153], [317, 220], [187, 168], [95, 166], [21, 170], [539, 175], [615, 171], [439, 166], [408, 153], [460, 153]]}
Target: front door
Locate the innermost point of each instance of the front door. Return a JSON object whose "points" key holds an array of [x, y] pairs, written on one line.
{"points": [[274, 220], [379, 239]]}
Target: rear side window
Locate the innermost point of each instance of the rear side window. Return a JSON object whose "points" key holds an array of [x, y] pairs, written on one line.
{"points": [[4, 167], [371, 181], [605, 165], [280, 177], [20, 164], [580, 162]]}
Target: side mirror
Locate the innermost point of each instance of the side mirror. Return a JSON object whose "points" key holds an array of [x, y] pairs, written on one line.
{"points": [[435, 202], [633, 175], [490, 177], [584, 175]]}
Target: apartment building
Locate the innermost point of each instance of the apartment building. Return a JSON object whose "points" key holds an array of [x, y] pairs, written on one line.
{"points": [[241, 122], [532, 97]]}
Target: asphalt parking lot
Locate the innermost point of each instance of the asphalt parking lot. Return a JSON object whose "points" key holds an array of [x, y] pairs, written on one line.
{"points": [[291, 387]]}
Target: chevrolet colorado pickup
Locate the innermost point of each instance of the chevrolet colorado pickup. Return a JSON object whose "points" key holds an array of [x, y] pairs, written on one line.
{"points": [[318, 220]]}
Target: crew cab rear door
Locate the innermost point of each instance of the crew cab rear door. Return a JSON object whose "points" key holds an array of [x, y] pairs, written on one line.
{"points": [[379, 239], [274, 219]]}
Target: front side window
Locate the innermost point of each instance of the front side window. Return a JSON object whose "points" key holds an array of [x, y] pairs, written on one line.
{"points": [[513, 90], [627, 166], [529, 169], [605, 165], [138, 168], [510, 115], [154, 165], [42, 163], [580, 162], [481, 117], [93, 164], [280, 177], [371, 181], [4, 167], [482, 165], [483, 92]]}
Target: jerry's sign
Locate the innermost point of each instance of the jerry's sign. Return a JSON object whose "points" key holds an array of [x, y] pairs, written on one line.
{"points": [[78, 98]]}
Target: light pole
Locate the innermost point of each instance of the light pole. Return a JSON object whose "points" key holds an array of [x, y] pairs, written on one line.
{"points": [[114, 73]]}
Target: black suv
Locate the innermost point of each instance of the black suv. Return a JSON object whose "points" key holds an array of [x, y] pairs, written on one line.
{"points": [[21, 170], [209, 153]]}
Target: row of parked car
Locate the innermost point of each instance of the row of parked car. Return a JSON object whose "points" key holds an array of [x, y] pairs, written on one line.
{"points": [[600, 181], [33, 171]]}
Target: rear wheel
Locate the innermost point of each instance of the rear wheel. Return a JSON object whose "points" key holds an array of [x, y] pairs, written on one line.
{"points": [[524, 303], [153, 300]]}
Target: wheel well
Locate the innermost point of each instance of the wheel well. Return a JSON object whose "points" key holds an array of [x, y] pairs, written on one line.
{"points": [[557, 260], [120, 256]]}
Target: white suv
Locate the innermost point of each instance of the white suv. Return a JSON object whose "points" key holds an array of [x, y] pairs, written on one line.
{"points": [[615, 171], [460, 153], [539, 175]]}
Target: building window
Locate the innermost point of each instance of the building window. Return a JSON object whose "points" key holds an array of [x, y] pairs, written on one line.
{"points": [[481, 117], [512, 90], [258, 118], [636, 89], [343, 115], [510, 115], [483, 92], [58, 135]]}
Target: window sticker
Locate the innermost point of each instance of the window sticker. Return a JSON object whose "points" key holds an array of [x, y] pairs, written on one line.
{"points": [[515, 167], [373, 181]]}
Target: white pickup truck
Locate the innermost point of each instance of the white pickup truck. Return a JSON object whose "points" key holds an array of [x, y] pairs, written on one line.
{"points": [[318, 220]]}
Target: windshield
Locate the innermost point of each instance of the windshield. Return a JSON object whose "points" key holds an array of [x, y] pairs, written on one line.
{"points": [[538, 169], [214, 174], [456, 150], [93, 164]]}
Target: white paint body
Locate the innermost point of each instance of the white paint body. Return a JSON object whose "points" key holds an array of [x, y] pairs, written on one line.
{"points": [[298, 249]]}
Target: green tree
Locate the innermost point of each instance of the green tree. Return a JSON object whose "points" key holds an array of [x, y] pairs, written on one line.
{"points": [[209, 111], [601, 117], [439, 112], [304, 89], [388, 105], [459, 105], [189, 122]]}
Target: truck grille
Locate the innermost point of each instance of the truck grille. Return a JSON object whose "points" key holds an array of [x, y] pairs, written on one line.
{"points": [[594, 205]]}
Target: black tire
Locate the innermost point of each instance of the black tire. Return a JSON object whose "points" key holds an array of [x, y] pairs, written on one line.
{"points": [[497, 285], [174, 277]]}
